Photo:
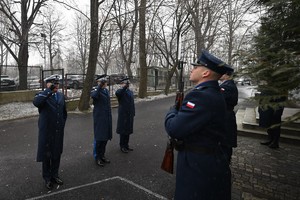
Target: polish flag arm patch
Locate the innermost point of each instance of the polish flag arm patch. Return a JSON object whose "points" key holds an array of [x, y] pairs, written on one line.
{"points": [[190, 104]]}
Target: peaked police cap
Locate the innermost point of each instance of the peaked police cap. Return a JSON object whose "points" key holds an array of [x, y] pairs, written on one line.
{"points": [[101, 78], [124, 80], [54, 79], [211, 62]]}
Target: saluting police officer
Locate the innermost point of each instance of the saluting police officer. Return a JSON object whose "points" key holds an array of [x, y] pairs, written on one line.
{"points": [[198, 126], [126, 113], [102, 120], [52, 118]]}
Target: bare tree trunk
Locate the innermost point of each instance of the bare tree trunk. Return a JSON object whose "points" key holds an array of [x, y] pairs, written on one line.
{"points": [[123, 25], [50, 55], [23, 50], [206, 16], [22, 65], [88, 83], [129, 61], [28, 7], [142, 48], [2, 54], [169, 78]]}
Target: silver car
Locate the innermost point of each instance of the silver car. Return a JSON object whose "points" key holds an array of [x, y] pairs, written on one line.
{"points": [[33, 82]]}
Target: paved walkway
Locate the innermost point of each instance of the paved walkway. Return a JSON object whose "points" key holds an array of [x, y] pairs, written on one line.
{"points": [[261, 173]]}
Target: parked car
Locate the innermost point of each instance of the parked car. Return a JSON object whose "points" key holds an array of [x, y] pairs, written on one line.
{"points": [[244, 80], [112, 79], [72, 81], [7, 83], [76, 81], [116, 78], [54, 75], [33, 82]]}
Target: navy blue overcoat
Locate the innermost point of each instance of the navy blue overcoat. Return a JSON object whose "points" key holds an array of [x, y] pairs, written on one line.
{"points": [[126, 111], [52, 119], [230, 93], [200, 123], [269, 115], [102, 114]]}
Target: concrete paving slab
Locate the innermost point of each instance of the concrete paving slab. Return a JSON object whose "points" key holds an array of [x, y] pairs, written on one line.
{"points": [[262, 173], [250, 124]]}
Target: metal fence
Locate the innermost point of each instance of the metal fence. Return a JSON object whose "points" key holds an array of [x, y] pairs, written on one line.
{"points": [[10, 77], [71, 84]]}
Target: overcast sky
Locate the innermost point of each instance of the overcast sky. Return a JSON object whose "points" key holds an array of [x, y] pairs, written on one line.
{"points": [[68, 16]]}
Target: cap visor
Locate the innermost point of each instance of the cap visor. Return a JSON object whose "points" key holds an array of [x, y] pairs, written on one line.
{"points": [[199, 63]]}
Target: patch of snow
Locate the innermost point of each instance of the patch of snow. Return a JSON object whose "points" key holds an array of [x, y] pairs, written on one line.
{"points": [[17, 110], [151, 98]]}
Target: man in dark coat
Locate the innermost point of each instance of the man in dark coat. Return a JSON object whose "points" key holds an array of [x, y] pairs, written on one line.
{"points": [[198, 127], [126, 113], [52, 118], [270, 116], [230, 93], [102, 120]]}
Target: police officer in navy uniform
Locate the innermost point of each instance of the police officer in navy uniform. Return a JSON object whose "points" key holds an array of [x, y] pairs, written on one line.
{"points": [[198, 127], [102, 120], [230, 93], [126, 113], [52, 118]]}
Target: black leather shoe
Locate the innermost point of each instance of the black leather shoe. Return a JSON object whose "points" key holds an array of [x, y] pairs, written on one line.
{"points": [[274, 146], [124, 150], [58, 181], [129, 149], [105, 160], [266, 143], [100, 163], [49, 185]]}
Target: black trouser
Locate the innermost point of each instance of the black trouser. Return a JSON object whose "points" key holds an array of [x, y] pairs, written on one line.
{"points": [[100, 149], [274, 134], [124, 140], [50, 168]]}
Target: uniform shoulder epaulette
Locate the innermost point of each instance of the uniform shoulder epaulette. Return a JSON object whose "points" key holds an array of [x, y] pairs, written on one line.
{"points": [[41, 94], [200, 87]]}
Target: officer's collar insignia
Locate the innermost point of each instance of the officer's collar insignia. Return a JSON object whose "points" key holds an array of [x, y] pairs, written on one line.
{"points": [[190, 104]]}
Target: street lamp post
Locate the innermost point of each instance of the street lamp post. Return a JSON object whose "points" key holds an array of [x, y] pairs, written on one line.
{"points": [[43, 35]]}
